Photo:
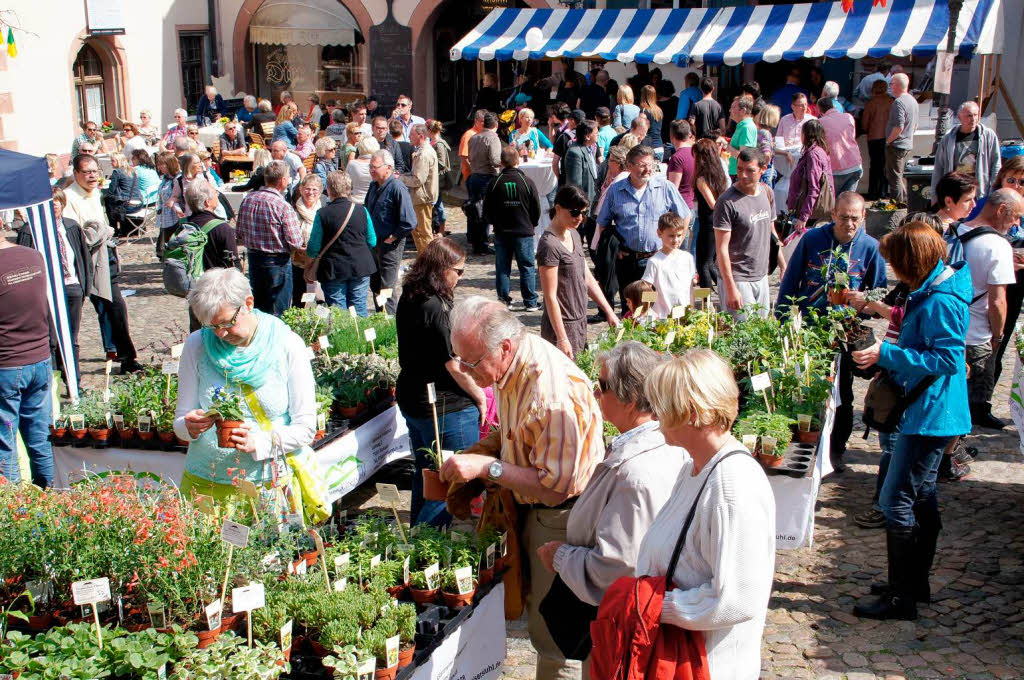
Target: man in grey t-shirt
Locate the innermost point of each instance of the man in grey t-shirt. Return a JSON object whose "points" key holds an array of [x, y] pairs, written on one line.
{"points": [[743, 228], [899, 136]]}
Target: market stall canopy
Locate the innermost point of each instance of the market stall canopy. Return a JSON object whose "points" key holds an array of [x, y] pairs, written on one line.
{"points": [[731, 35], [309, 22]]}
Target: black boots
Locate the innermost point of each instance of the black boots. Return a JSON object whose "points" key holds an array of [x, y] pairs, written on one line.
{"points": [[929, 524], [897, 602], [981, 416]]}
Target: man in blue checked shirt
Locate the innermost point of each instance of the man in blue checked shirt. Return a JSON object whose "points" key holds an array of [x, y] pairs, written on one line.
{"points": [[630, 213]]}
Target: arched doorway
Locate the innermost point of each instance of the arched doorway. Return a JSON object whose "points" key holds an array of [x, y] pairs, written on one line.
{"points": [[90, 90]]}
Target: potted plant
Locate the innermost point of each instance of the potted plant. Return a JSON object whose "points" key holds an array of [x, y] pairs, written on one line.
{"points": [[420, 591], [450, 589], [392, 573], [433, 488], [59, 428], [405, 618], [350, 398], [774, 432], [837, 276], [126, 402], [324, 402], [165, 425], [226, 407], [375, 641], [97, 417]]}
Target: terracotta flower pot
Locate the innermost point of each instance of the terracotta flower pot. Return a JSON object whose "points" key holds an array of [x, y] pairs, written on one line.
{"points": [[35, 624], [58, 432], [838, 296], [350, 412], [423, 596], [79, 434], [769, 460], [398, 591], [226, 428], [126, 433], [146, 436], [99, 434], [208, 637], [386, 673], [230, 621], [457, 600], [319, 435], [311, 557], [810, 437], [318, 649], [433, 488], [166, 437], [405, 656]]}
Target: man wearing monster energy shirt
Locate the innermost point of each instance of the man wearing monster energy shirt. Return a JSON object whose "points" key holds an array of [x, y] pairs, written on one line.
{"points": [[513, 207]]}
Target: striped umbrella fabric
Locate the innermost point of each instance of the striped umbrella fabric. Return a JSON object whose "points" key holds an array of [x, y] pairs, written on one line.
{"points": [[732, 35], [44, 235]]}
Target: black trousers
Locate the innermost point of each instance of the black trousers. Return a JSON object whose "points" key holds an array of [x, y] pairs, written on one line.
{"points": [[115, 313], [707, 266], [842, 426], [1014, 301], [628, 268], [389, 262], [878, 185], [74, 296], [604, 264]]}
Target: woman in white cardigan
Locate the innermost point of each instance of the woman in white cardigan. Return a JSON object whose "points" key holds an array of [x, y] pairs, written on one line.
{"points": [[724, 575]]}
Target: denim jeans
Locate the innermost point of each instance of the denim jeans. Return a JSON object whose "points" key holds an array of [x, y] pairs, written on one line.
{"points": [[106, 332], [439, 215], [458, 430], [910, 480], [347, 293], [847, 181], [521, 247], [25, 406], [887, 442], [270, 275]]}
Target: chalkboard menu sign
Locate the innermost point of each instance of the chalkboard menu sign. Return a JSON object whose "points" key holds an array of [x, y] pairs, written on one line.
{"points": [[390, 61]]}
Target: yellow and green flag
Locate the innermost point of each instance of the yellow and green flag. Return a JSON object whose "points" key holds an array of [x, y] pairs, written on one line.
{"points": [[12, 49]]}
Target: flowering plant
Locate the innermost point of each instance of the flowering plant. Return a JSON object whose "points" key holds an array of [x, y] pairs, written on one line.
{"points": [[226, 405], [107, 126]]}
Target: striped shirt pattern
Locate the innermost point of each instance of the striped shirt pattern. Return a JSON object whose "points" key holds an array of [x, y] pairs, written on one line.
{"points": [[549, 418], [266, 223]]}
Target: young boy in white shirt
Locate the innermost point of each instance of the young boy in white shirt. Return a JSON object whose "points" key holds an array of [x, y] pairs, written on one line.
{"points": [[672, 271]]}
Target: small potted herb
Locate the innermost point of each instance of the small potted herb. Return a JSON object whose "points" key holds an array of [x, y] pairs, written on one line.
{"points": [[419, 589], [59, 428], [97, 417], [433, 488], [226, 407], [456, 597], [774, 432], [404, 615], [165, 425]]}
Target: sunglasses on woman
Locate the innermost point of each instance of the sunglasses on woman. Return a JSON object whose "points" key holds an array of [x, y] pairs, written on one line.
{"points": [[459, 270], [576, 212]]}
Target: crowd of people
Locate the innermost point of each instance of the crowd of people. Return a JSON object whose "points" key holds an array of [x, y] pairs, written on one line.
{"points": [[664, 193]]}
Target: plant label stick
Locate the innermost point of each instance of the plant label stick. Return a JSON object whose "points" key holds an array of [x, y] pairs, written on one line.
{"points": [[371, 334], [176, 350], [322, 313], [374, 562], [234, 533], [678, 311], [214, 612], [92, 592], [382, 303], [324, 344], [622, 331], [389, 494], [286, 636], [319, 543], [432, 400], [355, 317], [670, 338], [309, 299], [430, 575], [761, 383], [391, 650]]}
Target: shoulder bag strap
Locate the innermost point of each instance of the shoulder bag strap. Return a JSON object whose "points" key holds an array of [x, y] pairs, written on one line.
{"points": [[689, 520], [211, 225], [351, 207]]}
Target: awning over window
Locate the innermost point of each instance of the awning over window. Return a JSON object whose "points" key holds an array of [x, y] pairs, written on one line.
{"points": [[305, 22], [731, 35]]}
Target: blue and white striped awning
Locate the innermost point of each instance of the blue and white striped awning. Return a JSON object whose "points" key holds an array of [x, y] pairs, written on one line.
{"points": [[731, 35]]}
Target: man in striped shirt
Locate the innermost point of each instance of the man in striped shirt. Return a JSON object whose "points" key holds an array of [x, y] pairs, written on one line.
{"points": [[546, 449], [269, 229]]}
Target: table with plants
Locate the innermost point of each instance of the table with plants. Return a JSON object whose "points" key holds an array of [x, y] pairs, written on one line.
{"points": [[121, 577], [786, 373], [127, 425]]}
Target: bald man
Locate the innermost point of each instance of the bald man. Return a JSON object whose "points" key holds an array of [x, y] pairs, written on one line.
{"points": [[970, 148], [899, 136], [812, 270]]}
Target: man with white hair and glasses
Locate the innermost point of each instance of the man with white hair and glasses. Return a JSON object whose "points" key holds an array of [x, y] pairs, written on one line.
{"points": [[969, 148], [544, 452]]}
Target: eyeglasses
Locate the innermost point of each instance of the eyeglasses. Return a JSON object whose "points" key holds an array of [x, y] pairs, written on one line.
{"points": [[402, 105], [459, 270], [576, 212], [193, 132], [474, 364], [1013, 181], [227, 324]]}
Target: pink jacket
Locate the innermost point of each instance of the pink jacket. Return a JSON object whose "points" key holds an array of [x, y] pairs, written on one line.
{"points": [[841, 134]]}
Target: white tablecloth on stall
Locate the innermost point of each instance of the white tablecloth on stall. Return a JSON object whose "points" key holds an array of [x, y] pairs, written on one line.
{"points": [[234, 198], [539, 170], [342, 465], [476, 649], [210, 134]]}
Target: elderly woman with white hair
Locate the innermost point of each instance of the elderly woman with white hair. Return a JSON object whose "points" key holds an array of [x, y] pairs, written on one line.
{"points": [[221, 249], [326, 152], [210, 106], [723, 576], [147, 126], [251, 355], [244, 114], [628, 488], [343, 238], [179, 129]]}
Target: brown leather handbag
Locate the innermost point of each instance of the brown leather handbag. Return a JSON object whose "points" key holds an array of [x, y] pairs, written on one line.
{"points": [[309, 273]]}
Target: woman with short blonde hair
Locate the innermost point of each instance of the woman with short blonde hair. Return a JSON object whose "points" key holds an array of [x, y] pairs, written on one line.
{"points": [[353, 133], [626, 111], [525, 131], [723, 577]]}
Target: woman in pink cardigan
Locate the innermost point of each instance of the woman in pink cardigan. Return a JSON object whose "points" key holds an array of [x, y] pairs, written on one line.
{"points": [[813, 169], [841, 135]]}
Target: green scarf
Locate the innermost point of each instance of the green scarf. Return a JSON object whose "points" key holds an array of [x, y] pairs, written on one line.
{"points": [[249, 365]]}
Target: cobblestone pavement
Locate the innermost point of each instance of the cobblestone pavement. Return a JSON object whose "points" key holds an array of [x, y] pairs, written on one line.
{"points": [[973, 628]]}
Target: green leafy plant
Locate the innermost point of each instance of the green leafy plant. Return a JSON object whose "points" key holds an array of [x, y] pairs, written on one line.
{"points": [[225, 404], [763, 424]]}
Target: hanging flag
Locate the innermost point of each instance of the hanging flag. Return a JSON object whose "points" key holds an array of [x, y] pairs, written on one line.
{"points": [[848, 4], [12, 49]]}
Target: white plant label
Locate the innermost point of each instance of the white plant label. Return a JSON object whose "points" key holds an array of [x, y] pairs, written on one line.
{"points": [[301, 568], [214, 612], [323, 342], [405, 570], [308, 298], [322, 312], [391, 647], [489, 559], [374, 561], [108, 367], [176, 350], [464, 580], [106, 394], [340, 584], [352, 311], [370, 334], [804, 422], [77, 421], [670, 338], [145, 423], [768, 444], [247, 488], [91, 591], [381, 300], [761, 382], [157, 615], [119, 421], [286, 635], [431, 393], [678, 311], [234, 533], [389, 493], [503, 544], [252, 596], [750, 442], [430, 574], [341, 561]]}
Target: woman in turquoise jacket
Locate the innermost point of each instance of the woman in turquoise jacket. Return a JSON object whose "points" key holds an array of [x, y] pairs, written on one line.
{"points": [[932, 345]]}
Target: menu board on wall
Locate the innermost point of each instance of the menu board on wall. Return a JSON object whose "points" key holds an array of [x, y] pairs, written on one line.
{"points": [[390, 61]]}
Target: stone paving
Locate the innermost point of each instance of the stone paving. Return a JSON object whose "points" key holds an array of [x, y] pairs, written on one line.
{"points": [[973, 629]]}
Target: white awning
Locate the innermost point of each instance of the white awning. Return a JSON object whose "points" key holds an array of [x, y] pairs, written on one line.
{"points": [[309, 22]]}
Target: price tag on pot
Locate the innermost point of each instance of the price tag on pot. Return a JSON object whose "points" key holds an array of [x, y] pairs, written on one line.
{"points": [[430, 575], [761, 382], [286, 636], [370, 334], [169, 368], [489, 556], [145, 423], [678, 311], [308, 299], [77, 421], [247, 488], [157, 615], [176, 350], [464, 580], [431, 393], [503, 544], [405, 570], [252, 596], [374, 561], [204, 504], [340, 584], [670, 338], [750, 442], [234, 533], [119, 421], [391, 647], [389, 493], [323, 343], [91, 591], [322, 312], [214, 611]]}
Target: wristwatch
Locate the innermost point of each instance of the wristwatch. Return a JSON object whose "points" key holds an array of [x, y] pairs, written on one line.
{"points": [[494, 471]]}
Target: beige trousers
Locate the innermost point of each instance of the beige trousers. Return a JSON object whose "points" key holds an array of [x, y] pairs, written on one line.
{"points": [[539, 527], [423, 234]]}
